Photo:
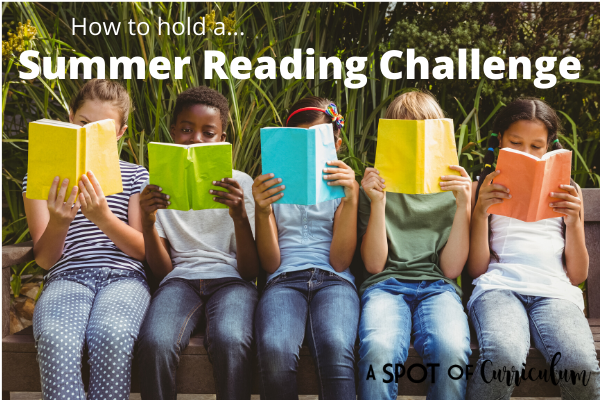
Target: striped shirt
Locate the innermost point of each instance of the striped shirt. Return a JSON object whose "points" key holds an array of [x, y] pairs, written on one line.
{"points": [[86, 246]]}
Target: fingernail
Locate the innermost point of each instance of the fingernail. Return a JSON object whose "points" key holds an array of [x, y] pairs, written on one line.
{"points": [[210, 191], [159, 189], [214, 182], [329, 183], [279, 180], [56, 178], [510, 196], [383, 186], [168, 203], [551, 204], [271, 175], [507, 190], [168, 197], [223, 180], [214, 198], [282, 186], [551, 193]]}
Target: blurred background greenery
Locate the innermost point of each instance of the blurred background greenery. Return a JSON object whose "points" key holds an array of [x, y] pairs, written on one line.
{"points": [[274, 29]]}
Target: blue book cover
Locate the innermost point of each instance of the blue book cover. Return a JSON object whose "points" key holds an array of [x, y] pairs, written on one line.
{"points": [[298, 156]]}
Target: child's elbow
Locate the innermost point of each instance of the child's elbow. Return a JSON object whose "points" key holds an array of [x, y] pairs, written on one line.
{"points": [[339, 265], [579, 278]]}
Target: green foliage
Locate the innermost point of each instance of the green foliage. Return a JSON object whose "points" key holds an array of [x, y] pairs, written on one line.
{"points": [[506, 30], [275, 29]]}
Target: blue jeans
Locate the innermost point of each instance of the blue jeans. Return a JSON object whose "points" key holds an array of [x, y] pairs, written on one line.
{"points": [[321, 307], [178, 307], [101, 308], [505, 321], [433, 312]]}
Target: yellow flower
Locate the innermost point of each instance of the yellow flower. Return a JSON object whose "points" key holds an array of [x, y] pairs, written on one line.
{"points": [[229, 22], [209, 20], [19, 41]]}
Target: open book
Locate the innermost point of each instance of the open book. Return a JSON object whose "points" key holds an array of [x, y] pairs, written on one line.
{"points": [[298, 156], [67, 150], [412, 155], [530, 180], [186, 172]]}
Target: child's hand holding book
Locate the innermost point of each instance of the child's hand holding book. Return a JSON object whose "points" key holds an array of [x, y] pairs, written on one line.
{"points": [[151, 199], [343, 176], [373, 185], [62, 212], [233, 198], [459, 185], [570, 206], [265, 194]]}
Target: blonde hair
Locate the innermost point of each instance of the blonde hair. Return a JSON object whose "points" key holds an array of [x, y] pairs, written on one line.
{"points": [[106, 91], [414, 105]]}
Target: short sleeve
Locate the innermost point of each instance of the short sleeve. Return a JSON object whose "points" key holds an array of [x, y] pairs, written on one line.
{"points": [[140, 180], [364, 212], [25, 184]]}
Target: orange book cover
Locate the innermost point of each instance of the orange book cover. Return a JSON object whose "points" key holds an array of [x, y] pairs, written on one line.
{"points": [[531, 180]]}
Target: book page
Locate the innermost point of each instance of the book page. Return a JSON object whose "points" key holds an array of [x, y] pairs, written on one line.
{"points": [[440, 153], [100, 154], [555, 171], [517, 173], [324, 151]]}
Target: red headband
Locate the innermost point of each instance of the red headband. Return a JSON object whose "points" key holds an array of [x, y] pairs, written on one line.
{"points": [[304, 109]]}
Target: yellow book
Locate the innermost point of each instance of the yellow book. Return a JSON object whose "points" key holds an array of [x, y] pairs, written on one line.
{"points": [[67, 150], [412, 155]]}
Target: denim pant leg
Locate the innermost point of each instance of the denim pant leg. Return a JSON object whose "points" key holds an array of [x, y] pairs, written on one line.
{"points": [[119, 309], [279, 325], [558, 325], [502, 326], [174, 312], [384, 333], [331, 335], [441, 336], [229, 332], [59, 323]]}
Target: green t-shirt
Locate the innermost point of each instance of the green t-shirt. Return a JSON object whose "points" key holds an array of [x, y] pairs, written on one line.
{"points": [[417, 227]]}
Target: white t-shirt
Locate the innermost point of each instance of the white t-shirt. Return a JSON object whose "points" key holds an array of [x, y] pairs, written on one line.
{"points": [[203, 241]]}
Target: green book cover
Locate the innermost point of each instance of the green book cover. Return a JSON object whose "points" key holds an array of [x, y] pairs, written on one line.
{"points": [[186, 172]]}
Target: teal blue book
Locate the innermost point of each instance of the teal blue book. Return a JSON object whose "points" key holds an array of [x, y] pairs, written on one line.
{"points": [[298, 156]]}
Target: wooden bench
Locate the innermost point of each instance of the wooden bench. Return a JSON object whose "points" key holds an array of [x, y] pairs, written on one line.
{"points": [[20, 372]]}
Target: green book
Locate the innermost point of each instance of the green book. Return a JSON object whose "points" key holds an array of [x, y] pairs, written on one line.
{"points": [[186, 172]]}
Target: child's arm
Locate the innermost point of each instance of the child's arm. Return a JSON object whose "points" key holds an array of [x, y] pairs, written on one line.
{"points": [[343, 243], [95, 208], [374, 247], [267, 241], [247, 256], [456, 250], [576, 254], [49, 222], [157, 248], [479, 248]]}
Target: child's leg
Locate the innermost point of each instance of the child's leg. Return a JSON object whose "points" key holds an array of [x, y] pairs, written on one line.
{"points": [[119, 309], [384, 333], [500, 320], [279, 326], [558, 325], [331, 335], [174, 313], [441, 332], [228, 338], [59, 323]]}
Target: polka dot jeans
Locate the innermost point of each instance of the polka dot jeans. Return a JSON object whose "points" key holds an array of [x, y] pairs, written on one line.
{"points": [[98, 308]]}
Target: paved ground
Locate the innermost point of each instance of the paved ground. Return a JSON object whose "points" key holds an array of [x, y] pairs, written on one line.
{"points": [[37, 396]]}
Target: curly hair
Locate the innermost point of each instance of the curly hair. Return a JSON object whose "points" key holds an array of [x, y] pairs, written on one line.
{"points": [[206, 96]]}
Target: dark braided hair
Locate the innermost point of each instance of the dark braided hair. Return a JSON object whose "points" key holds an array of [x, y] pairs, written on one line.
{"points": [[523, 109], [310, 116]]}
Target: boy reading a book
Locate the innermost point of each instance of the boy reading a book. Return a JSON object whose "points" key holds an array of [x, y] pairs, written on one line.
{"points": [[413, 247], [206, 260]]}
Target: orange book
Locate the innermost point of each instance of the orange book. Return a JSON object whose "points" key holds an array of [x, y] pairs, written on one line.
{"points": [[531, 180]]}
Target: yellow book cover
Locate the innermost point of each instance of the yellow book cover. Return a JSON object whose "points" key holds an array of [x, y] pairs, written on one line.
{"points": [[69, 151], [412, 155]]}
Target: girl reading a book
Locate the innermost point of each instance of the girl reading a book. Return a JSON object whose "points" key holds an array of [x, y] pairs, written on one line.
{"points": [[310, 293], [95, 293], [527, 272], [413, 247]]}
